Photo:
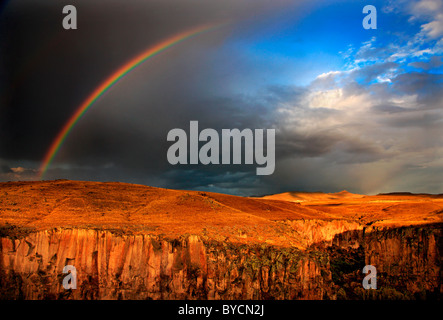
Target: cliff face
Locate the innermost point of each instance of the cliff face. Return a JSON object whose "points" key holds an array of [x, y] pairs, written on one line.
{"points": [[408, 261], [112, 266], [314, 231], [144, 267]]}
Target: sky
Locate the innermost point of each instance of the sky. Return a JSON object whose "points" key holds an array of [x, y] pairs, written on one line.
{"points": [[353, 109]]}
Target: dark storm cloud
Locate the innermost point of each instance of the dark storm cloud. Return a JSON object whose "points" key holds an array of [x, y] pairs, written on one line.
{"points": [[293, 144], [370, 73], [225, 181], [385, 108], [48, 71], [427, 84], [416, 119], [434, 62], [5, 169]]}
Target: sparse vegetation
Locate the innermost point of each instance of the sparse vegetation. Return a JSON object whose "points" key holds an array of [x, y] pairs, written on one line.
{"points": [[14, 232]]}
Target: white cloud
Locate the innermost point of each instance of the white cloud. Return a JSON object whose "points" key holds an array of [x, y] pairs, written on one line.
{"points": [[382, 79], [426, 7], [432, 11], [329, 74], [434, 29], [336, 99]]}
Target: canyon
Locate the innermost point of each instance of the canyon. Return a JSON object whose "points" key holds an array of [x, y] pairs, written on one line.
{"points": [[137, 242]]}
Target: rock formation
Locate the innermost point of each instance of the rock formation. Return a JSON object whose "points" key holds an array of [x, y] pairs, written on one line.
{"points": [[136, 242]]}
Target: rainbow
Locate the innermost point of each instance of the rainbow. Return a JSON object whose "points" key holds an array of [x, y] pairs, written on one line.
{"points": [[107, 84]]}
